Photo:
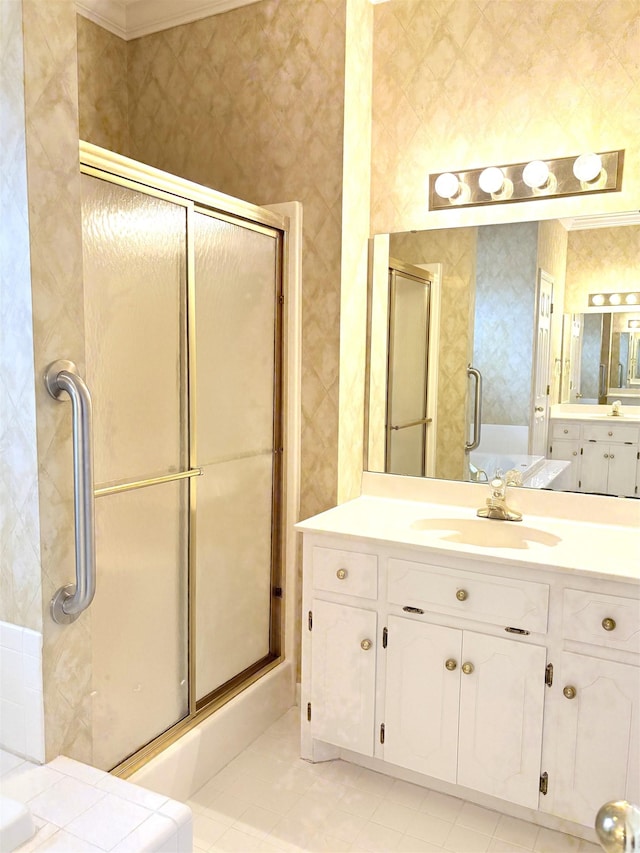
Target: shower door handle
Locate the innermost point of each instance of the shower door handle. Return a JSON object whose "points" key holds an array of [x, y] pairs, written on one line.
{"points": [[477, 410], [70, 601]]}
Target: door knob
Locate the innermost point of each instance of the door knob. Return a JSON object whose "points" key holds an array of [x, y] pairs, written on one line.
{"points": [[451, 664], [569, 692], [462, 595], [365, 645], [467, 668]]}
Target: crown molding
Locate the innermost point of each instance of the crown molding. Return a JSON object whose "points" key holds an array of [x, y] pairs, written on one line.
{"points": [[603, 220], [131, 19]]}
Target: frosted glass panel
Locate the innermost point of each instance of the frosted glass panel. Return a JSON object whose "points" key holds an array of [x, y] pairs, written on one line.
{"points": [[233, 560], [134, 258], [139, 620], [406, 452], [235, 304], [408, 367]]}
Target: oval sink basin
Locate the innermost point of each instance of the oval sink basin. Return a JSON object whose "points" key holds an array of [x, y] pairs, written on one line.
{"points": [[485, 533]]}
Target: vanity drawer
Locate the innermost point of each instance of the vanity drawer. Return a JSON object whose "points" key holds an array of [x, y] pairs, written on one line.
{"points": [[565, 430], [585, 614], [610, 433], [484, 598], [347, 572]]}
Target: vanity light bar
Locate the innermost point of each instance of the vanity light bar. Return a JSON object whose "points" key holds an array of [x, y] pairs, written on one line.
{"points": [[565, 176], [615, 300]]}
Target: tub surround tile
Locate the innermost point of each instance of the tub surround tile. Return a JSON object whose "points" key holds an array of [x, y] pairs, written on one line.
{"points": [[79, 808], [21, 694]]}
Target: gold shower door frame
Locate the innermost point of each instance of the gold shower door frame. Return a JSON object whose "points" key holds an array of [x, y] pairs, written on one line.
{"points": [[107, 166]]}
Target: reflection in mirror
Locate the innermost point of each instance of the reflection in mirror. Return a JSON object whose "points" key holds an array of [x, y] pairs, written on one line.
{"points": [[513, 302]]}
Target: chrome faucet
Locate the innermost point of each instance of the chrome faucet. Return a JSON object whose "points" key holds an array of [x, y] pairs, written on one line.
{"points": [[496, 507]]}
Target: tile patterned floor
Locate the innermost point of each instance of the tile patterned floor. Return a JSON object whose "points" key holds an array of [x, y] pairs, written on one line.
{"points": [[268, 799]]}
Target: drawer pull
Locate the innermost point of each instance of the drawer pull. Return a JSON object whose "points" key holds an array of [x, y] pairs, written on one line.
{"points": [[608, 624], [609, 433], [569, 692], [462, 595], [341, 574], [365, 645], [565, 431], [408, 609], [467, 668], [451, 664]]}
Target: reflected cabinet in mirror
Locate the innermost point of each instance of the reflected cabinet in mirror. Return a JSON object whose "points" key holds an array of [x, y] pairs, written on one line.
{"points": [[485, 356]]}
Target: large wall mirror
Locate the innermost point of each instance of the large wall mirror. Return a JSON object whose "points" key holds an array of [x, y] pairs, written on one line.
{"points": [[481, 336]]}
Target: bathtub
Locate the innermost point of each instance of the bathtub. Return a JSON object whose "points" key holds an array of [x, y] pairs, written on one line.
{"points": [[489, 463], [16, 824]]}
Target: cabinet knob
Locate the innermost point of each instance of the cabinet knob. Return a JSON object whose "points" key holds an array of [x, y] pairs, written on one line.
{"points": [[609, 433], [365, 645], [608, 624], [569, 692], [539, 408], [611, 456], [575, 452], [467, 668], [341, 574], [451, 664], [462, 595], [565, 431]]}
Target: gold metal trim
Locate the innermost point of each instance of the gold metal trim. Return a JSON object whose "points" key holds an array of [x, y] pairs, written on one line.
{"points": [[138, 759], [192, 372], [101, 160], [142, 484], [241, 223]]}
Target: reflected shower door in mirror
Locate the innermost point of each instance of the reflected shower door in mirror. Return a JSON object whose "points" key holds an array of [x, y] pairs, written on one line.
{"points": [[512, 301], [408, 370]]}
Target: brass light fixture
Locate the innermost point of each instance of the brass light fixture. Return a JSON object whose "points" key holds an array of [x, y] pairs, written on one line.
{"points": [[564, 176]]}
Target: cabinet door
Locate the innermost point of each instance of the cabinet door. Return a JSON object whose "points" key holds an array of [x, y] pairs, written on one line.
{"points": [[343, 676], [594, 471], [567, 451], [421, 697], [501, 709], [597, 737], [622, 470]]}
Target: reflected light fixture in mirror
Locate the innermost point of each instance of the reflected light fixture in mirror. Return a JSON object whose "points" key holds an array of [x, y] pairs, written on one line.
{"points": [[597, 300], [633, 324], [551, 178]]}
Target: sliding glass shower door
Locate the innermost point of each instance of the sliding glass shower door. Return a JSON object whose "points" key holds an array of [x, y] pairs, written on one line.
{"points": [[182, 310]]}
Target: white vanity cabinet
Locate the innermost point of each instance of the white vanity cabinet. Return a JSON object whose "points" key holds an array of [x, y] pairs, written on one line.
{"points": [[593, 713], [465, 707], [604, 456], [509, 680]]}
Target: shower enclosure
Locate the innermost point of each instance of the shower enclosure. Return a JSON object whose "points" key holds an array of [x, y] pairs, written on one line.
{"points": [[184, 361]]}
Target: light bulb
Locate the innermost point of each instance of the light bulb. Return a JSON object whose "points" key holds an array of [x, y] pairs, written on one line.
{"points": [[536, 174], [598, 299], [614, 299], [491, 180], [588, 167], [631, 298], [447, 185]]}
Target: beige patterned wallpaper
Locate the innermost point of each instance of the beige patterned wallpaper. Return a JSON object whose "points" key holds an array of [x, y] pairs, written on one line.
{"points": [[102, 94], [455, 249], [20, 595], [51, 112], [355, 234], [465, 83], [602, 260]]}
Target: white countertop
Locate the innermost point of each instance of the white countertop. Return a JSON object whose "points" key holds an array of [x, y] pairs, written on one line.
{"points": [[595, 414], [606, 550]]}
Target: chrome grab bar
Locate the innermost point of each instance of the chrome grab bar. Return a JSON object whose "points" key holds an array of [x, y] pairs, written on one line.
{"points": [[70, 601], [618, 827], [412, 423], [477, 410]]}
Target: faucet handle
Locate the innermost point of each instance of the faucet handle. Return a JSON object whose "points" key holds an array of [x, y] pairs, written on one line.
{"points": [[513, 477]]}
